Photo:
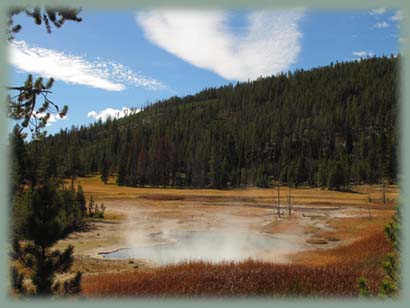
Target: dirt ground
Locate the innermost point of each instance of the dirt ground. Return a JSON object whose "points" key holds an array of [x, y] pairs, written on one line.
{"points": [[319, 219]]}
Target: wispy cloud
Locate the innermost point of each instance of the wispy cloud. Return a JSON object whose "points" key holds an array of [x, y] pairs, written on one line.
{"points": [[271, 42], [378, 11], [398, 15], [381, 25], [98, 73], [363, 54], [111, 113]]}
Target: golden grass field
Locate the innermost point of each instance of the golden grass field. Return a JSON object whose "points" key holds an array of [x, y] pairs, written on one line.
{"points": [[341, 234], [316, 196], [251, 278]]}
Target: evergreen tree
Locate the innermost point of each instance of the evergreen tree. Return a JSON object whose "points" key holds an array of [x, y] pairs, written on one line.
{"points": [[142, 166], [336, 178], [295, 127], [390, 285], [104, 169], [47, 16], [122, 169], [75, 164], [20, 159], [261, 178], [41, 213], [44, 229], [91, 207], [82, 203]]}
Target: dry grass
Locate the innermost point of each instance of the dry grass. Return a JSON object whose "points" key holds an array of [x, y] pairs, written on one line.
{"points": [[320, 272], [367, 252], [355, 227], [251, 278], [88, 265], [316, 241], [114, 216], [245, 196]]}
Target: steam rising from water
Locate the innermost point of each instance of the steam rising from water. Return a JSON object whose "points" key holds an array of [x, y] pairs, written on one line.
{"points": [[212, 246], [169, 242]]}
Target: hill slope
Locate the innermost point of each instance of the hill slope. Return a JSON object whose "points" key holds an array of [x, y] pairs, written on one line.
{"points": [[327, 126]]}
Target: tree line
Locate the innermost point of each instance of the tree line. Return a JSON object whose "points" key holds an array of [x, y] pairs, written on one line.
{"points": [[330, 127]]}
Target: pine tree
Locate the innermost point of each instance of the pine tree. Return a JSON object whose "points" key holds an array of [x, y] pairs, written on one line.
{"points": [[261, 178], [81, 200], [104, 169], [390, 285], [20, 159], [303, 122], [44, 230], [336, 178], [39, 212], [91, 207], [122, 173], [142, 166], [162, 161], [216, 168], [75, 164], [47, 16]]}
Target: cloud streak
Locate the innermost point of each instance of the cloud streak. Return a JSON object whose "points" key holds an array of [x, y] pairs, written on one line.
{"points": [[398, 16], [378, 11], [381, 25], [363, 53], [111, 113], [270, 44], [101, 74]]}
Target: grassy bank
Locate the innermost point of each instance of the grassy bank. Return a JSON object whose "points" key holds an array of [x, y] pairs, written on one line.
{"points": [[253, 278]]}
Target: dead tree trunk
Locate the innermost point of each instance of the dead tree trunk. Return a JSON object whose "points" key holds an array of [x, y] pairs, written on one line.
{"points": [[278, 200], [369, 196], [274, 206], [290, 202], [384, 192], [369, 199]]}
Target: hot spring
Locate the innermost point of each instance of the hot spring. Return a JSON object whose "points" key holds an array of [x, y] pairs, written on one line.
{"points": [[211, 246]]}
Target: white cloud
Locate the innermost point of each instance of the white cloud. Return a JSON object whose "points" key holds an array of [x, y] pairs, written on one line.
{"points": [[270, 45], [398, 15], [54, 117], [107, 75], [111, 113], [363, 54], [378, 11], [381, 25]]}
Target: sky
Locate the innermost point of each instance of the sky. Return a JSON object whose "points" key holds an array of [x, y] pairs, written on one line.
{"points": [[116, 60]]}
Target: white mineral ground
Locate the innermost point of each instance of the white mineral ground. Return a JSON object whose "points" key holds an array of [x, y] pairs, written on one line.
{"points": [[209, 232]]}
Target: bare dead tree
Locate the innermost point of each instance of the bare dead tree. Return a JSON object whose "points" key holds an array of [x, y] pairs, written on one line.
{"points": [[384, 191], [369, 197], [278, 209], [290, 202], [369, 201], [273, 202]]}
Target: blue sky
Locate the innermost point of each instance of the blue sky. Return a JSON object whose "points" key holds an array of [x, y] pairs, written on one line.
{"points": [[122, 59]]}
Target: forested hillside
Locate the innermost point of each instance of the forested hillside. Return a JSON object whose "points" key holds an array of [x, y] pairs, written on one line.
{"points": [[329, 126]]}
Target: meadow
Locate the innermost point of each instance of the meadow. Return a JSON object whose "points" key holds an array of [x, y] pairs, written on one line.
{"points": [[252, 278], [339, 236]]}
